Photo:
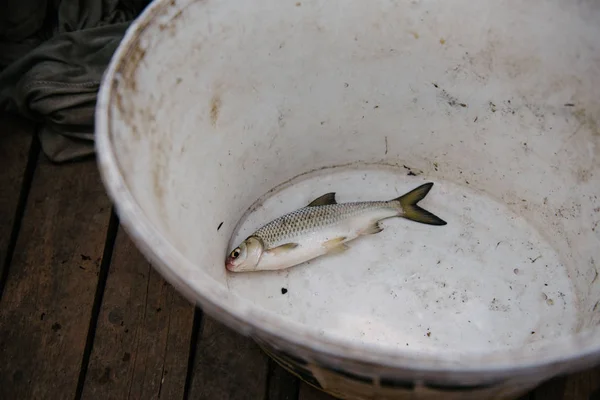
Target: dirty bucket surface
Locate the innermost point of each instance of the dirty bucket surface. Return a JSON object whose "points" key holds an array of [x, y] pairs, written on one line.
{"points": [[488, 280]]}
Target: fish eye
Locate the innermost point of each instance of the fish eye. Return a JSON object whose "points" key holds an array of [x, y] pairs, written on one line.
{"points": [[235, 253]]}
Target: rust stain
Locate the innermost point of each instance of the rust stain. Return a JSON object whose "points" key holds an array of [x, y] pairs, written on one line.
{"points": [[119, 100], [298, 4], [415, 34], [158, 171], [177, 15], [134, 132], [587, 120], [170, 25], [159, 177], [442, 41], [134, 57], [583, 175], [215, 109], [129, 66], [126, 112]]}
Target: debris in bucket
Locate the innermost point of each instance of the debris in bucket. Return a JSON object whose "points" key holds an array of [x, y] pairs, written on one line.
{"points": [[323, 227], [412, 172], [495, 305], [448, 98], [283, 290], [569, 105], [516, 271], [219, 227], [562, 296]]}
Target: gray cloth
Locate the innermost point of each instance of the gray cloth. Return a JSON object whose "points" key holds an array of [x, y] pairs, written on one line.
{"points": [[52, 57]]}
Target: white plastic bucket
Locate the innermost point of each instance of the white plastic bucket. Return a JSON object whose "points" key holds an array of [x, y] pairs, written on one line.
{"points": [[215, 117]]}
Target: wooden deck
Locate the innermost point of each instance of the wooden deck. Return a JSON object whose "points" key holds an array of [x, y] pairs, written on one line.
{"points": [[84, 315]]}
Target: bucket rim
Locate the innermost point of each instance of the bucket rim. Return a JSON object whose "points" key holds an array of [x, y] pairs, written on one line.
{"points": [[557, 355]]}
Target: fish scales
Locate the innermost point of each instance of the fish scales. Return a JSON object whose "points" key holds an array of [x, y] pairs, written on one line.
{"points": [[322, 227], [308, 219]]}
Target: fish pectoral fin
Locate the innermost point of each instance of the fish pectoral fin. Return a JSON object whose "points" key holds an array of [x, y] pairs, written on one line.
{"points": [[372, 229], [283, 248], [336, 245], [328, 198]]}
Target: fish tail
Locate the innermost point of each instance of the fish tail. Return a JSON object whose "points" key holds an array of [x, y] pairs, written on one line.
{"points": [[410, 210]]}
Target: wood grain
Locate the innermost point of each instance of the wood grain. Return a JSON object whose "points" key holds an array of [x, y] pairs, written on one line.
{"points": [[142, 340], [45, 309], [143, 334], [282, 384], [550, 390], [528, 396], [308, 392], [15, 140], [228, 366], [582, 385]]}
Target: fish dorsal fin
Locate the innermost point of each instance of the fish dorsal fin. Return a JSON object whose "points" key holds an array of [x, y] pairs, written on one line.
{"points": [[328, 198]]}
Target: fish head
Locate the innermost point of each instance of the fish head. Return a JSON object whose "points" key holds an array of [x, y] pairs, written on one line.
{"points": [[245, 257]]}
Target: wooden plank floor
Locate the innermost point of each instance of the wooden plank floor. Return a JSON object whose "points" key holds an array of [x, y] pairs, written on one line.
{"points": [[84, 315]]}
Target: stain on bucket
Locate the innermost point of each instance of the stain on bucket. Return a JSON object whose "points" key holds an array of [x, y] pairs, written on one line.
{"points": [[208, 106]]}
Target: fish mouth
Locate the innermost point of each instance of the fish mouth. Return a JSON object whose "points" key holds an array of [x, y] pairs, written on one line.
{"points": [[229, 264]]}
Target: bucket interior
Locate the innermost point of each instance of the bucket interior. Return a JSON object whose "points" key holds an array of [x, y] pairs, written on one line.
{"points": [[225, 115]]}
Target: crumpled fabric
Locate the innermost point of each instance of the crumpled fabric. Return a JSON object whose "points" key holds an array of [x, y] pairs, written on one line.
{"points": [[52, 57]]}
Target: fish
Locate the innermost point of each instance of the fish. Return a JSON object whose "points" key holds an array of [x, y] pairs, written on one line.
{"points": [[322, 227]]}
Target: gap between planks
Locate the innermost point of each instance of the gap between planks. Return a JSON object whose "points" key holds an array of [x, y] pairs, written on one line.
{"points": [[49, 290], [42, 374], [19, 149], [142, 339]]}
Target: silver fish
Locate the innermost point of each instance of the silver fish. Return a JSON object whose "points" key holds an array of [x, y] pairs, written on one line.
{"points": [[322, 227]]}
